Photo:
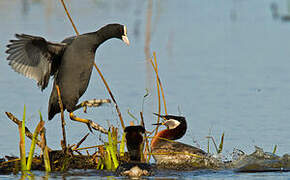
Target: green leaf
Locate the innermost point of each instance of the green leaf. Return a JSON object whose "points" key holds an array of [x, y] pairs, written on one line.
{"points": [[221, 143], [122, 145], [22, 142], [112, 152]]}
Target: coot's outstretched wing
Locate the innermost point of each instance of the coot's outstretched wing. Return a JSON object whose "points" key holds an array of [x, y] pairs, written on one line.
{"points": [[34, 57]]}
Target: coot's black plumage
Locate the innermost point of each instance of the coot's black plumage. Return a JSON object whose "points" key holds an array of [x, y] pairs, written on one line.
{"points": [[70, 62]]}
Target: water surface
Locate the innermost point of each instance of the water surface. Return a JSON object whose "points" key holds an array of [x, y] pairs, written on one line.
{"points": [[224, 65]]}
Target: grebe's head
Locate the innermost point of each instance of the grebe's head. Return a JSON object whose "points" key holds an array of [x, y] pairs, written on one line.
{"points": [[176, 127], [171, 121]]}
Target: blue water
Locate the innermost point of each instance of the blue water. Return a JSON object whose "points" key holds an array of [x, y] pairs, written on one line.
{"points": [[223, 64]]}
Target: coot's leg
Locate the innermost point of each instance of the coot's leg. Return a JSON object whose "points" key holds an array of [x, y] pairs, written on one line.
{"points": [[90, 103], [90, 123]]}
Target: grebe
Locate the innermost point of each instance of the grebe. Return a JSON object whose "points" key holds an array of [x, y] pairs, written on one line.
{"points": [[70, 62], [134, 139], [176, 155], [134, 168]]}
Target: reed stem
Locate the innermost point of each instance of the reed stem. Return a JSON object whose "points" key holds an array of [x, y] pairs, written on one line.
{"points": [[81, 141], [44, 147], [158, 93], [112, 96], [63, 142], [162, 92], [69, 17], [157, 76]]}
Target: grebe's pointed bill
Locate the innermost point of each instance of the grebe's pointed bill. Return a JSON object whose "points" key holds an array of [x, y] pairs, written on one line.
{"points": [[158, 124], [125, 37]]}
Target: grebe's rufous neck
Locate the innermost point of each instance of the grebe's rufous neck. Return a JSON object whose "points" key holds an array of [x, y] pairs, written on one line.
{"points": [[175, 155], [134, 138]]}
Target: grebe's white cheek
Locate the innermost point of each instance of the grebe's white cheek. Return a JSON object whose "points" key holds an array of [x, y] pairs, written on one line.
{"points": [[172, 123]]}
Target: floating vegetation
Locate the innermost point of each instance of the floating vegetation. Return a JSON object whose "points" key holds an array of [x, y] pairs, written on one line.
{"points": [[260, 161], [61, 160]]}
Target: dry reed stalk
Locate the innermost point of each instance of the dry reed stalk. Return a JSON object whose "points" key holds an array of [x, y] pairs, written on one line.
{"points": [[157, 75], [159, 81], [68, 15], [101, 151], [112, 96], [44, 147], [142, 119], [81, 141], [90, 147], [158, 93], [145, 155], [100, 74], [63, 142], [45, 151], [27, 131]]}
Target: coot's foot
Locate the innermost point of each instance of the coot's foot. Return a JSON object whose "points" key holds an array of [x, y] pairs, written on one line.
{"points": [[89, 123], [92, 103]]}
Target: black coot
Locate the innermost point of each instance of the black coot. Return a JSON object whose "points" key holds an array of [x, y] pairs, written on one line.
{"points": [[70, 62]]}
